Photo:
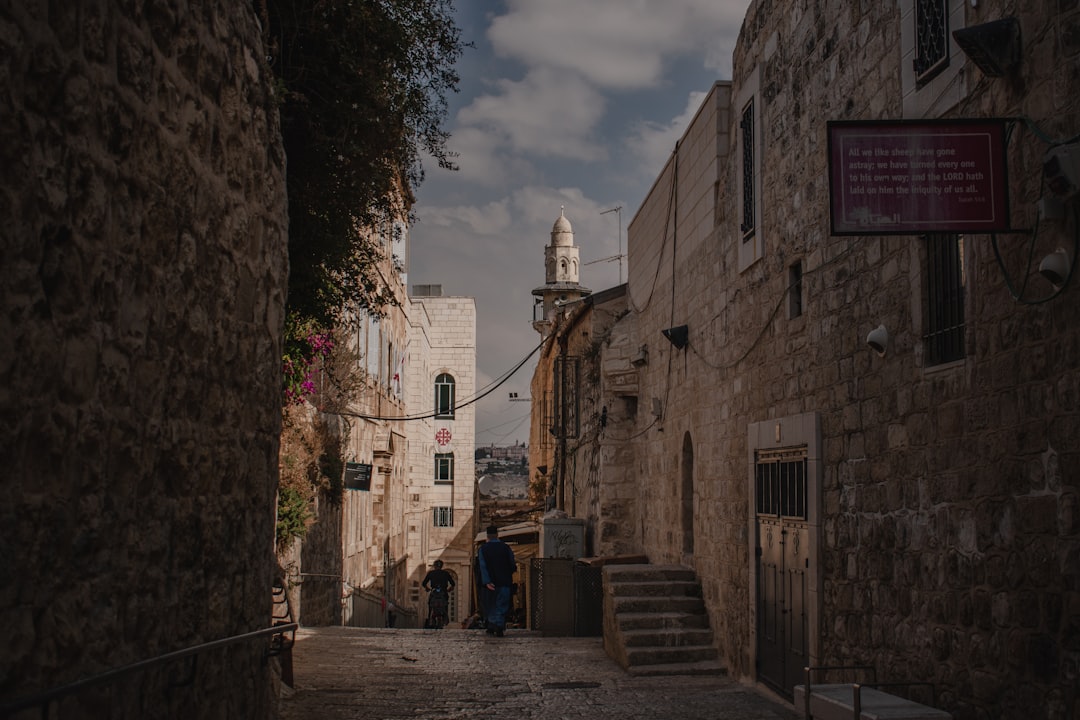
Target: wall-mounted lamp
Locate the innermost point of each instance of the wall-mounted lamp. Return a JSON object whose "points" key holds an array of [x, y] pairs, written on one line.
{"points": [[679, 336], [1061, 169], [994, 47], [878, 340], [1056, 267], [642, 357]]}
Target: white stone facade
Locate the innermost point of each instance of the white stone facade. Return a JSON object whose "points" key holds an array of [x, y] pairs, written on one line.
{"points": [[439, 511]]}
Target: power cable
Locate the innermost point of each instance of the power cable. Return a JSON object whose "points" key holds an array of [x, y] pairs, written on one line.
{"points": [[426, 416]]}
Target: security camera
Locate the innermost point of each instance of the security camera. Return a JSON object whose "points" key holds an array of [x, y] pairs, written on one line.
{"points": [[1061, 168], [1055, 267], [878, 340]]}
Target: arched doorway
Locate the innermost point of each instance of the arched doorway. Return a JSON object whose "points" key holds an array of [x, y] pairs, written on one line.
{"points": [[686, 493]]}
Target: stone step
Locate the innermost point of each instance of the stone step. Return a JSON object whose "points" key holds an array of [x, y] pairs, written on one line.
{"points": [[665, 655], [644, 588], [648, 573], [660, 620], [658, 604], [679, 637], [704, 667]]}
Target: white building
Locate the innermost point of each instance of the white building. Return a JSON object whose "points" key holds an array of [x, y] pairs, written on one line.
{"points": [[440, 385]]}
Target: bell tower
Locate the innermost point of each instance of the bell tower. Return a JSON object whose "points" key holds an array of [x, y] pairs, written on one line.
{"points": [[561, 271]]}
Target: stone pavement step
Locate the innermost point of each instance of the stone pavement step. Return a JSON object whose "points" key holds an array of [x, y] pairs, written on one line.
{"points": [[667, 637], [628, 622], [670, 654], [453, 674], [703, 667]]}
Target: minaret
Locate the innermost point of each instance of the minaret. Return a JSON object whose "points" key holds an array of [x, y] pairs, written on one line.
{"points": [[561, 268]]}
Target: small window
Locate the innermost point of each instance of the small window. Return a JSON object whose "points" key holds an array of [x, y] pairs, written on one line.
{"points": [[444, 468], [444, 396], [931, 39], [443, 516], [748, 207], [795, 290], [944, 299], [780, 485]]}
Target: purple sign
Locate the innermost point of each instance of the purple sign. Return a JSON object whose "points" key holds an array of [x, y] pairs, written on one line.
{"points": [[911, 177]]}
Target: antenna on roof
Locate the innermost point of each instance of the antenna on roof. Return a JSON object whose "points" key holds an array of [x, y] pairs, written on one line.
{"points": [[618, 211]]}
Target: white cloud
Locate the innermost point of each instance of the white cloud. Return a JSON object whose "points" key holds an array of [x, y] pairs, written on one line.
{"points": [[653, 143], [617, 44], [545, 114]]}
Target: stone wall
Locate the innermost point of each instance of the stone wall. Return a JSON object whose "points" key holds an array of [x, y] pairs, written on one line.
{"points": [[949, 547], [144, 244]]}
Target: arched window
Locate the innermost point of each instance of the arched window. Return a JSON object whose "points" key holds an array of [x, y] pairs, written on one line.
{"points": [[444, 396]]}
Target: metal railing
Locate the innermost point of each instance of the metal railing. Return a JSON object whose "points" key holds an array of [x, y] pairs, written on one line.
{"points": [[45, 698]]}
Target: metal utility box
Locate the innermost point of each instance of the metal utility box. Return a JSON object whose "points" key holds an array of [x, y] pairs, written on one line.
{"points": [[562, 538]]}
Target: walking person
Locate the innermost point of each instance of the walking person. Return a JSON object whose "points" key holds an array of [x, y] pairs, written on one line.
{"points": [[497, 568]]}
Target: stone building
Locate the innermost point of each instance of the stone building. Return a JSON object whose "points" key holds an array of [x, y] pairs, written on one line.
{"points": [[865, 445], [408, 490], [358, 529], [441, 477], [144, 243]]}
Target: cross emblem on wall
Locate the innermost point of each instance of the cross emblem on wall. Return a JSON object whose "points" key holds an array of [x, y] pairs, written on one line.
{"points": [[442, 437]]}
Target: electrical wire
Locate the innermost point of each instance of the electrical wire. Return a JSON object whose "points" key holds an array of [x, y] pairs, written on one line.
{"points": [[663, 244], [772, 315], [505, 435], [476, 398], [1018, 295]]}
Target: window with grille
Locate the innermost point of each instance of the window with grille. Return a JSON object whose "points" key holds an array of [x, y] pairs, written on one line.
{"points": [[944, 298], [444, 468], [795, 290], [747, 126], [931, 39], [780, 484], [566, 422], [443, 516], [444, 396]]}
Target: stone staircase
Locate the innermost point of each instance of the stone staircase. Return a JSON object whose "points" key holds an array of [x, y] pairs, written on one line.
{"points": [[655, 621]]}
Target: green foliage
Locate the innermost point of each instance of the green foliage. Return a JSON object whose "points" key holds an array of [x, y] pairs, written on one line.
{"points": [[365, 96], [294, 512]]}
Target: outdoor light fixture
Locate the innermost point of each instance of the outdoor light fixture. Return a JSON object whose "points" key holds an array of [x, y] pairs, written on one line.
{"points": [[994, 47], [679, 336], [1056, 266], [878, 340], [1061, 169]]}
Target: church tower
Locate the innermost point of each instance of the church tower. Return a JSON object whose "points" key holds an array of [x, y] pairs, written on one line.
{"points": [[561, 268]]}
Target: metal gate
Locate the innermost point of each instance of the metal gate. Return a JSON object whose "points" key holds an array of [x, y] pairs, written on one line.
{"points": [[567, 598], [783, 567]]}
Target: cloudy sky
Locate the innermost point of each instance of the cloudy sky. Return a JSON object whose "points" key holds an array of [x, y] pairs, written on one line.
{"points": [[563, 103]]}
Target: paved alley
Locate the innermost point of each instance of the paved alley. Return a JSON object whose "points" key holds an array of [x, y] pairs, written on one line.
{"points": [[384, 674]]}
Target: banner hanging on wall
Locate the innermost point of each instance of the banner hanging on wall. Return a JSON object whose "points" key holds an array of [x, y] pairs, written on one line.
{"points": [[912, 177]]}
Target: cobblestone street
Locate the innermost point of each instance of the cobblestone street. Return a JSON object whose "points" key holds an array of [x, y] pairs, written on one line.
{"points": [[453, 673]]}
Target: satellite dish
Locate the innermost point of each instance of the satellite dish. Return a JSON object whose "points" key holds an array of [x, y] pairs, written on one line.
{"points": [[484, 484]]}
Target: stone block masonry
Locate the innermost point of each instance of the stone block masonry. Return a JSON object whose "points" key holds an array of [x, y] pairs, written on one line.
{"points": [[145, 264]]}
